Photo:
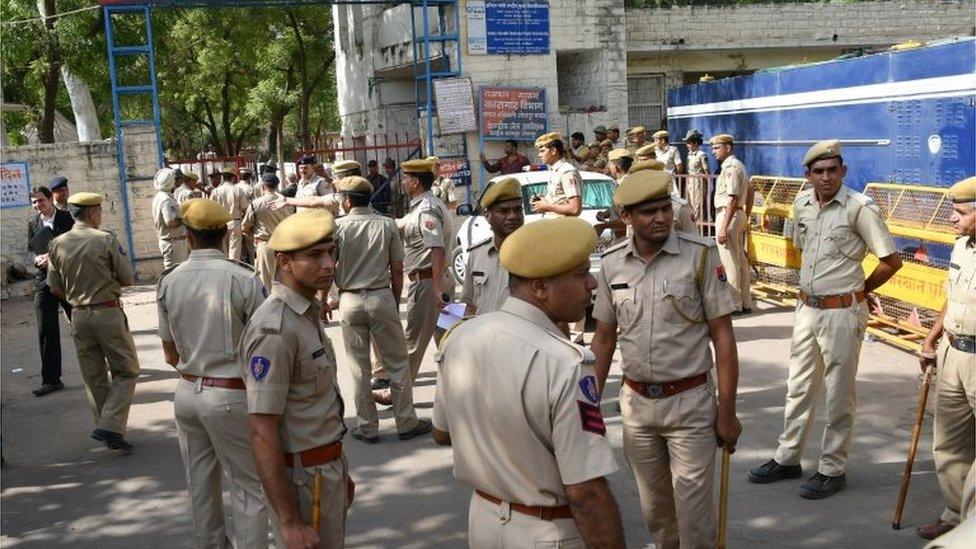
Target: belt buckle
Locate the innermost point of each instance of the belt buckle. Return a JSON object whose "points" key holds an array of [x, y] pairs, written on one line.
{"points": [[654, 390], [814, 301]]}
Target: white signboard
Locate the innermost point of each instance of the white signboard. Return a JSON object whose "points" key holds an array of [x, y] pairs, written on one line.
{"points": [[477, 29], [14, 185], [455, 106]]}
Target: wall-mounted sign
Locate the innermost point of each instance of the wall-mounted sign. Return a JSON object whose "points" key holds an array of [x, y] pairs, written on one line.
{"points": [[457, 168], [455, 105], [507, 27], [512, 113], [14, 185]]}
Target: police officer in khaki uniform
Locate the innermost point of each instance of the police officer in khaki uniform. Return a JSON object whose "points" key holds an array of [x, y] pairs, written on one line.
{"points": [[187, 188], [370, 256], [203, 304], [521, 407], [681, 210], [667, 153], [244, 184], [636, 138], [260, 221], [613, 135], [166, 218], [328, 199], [294, 405], [234, 201], [835, 228], [731, 190], [87, 268], [445, 188], [953, 441], [645, 153], [485, 279], [565, 189], [311, 184], [666, 293], [696, 186], [602, 158]]}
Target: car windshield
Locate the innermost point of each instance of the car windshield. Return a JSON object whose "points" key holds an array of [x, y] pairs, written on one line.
{"points": [[597, 194]]}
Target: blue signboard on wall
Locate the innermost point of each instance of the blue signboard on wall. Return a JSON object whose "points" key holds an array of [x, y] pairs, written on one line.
{"points": [[508, 27]]}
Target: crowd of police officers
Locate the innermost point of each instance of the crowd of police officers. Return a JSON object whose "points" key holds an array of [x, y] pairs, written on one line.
{"points": [[257, 404]]}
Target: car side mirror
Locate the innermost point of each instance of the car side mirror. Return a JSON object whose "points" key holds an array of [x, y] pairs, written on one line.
{"points": [[465, 209]]}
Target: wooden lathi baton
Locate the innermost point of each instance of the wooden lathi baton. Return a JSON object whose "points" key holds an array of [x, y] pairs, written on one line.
{"points": [[906, 478], [317, 500], [723, 500]]}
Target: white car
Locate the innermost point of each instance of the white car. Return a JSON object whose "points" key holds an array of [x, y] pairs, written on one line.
{"points": [[597, 196]]}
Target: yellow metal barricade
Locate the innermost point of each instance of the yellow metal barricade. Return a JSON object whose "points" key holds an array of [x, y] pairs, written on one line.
{"points": [[904, 308]]}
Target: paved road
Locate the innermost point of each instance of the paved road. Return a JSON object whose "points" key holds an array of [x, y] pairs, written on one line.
{"points": [[61, 489]]}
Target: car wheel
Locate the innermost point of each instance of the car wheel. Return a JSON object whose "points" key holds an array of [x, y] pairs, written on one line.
{"points": [[459, 263]]}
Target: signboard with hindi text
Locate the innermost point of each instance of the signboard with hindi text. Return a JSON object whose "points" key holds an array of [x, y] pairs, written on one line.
{"points": [[14, 185], [512, 113], [455, 105], [457, 168], [508, 27]]}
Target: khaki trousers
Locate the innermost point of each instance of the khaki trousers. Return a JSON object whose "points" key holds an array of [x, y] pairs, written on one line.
{"points": [[104, 345], [421, 322], [695, 189], [824, 353], [173, 251], [235, 239], [264, 263], [332, 526], [372, 315], [492, 526], [953, 438], [212, 427], [734, 258], [670, 446]]}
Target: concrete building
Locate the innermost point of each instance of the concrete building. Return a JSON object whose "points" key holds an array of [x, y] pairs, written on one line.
{"points": [[607, 64]]}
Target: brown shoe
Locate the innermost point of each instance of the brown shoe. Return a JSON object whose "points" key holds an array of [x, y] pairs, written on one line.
{"points": [[934, 530], [382, 396]]}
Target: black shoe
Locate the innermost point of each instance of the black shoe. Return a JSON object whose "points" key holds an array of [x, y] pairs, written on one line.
{"points": [[357, 434], [422, 428], [821, 486], [113, 441], [379, 383], [48, 388], [772, 471]]}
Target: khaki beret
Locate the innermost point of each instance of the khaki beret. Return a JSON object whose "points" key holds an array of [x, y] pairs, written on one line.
{"points": [[547, 139], [548, 247], [85, 199], [191, 176], [346, 165], [642, 165], [646, 150], [617, 154], [302, 230], [964, 191], [661, 134], [202, 214], [432, 159], [416, 166], [354, 184], [227, 171], [636, 130], [722, 139], [606, 143], [642, 186], [823, 149], [503, 189]]}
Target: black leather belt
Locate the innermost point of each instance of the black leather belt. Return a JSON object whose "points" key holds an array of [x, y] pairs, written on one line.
{"points": [[966, 344]]}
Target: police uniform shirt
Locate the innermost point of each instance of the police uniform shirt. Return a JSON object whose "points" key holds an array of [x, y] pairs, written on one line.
{"points": [[536, 423], [368, 243], [834, 240], [669, 157], [316, 186], [231, 198], [697, 162], [261, 219], [564, 182], [960, 317], [203, 304], [425, 226], [445, 189], [661, 307], [88, 264], [184, 193], [485, 279], [246, 189], [289, 367], [683, 219], [731, 182], [165, 209]]}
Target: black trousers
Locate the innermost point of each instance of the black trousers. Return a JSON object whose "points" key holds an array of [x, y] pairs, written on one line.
{"points": [[49, 333]]}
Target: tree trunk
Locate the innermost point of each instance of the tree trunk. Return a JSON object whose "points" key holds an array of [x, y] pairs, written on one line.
{"points": [[86, 118], [52, 69], [225, 116], [280, 151]]}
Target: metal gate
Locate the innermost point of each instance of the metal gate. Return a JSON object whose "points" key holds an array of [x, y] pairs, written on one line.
{"points": [[646, 100]]}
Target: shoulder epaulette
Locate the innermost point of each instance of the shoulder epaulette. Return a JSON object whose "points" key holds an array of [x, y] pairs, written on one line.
{"points": [[480, 243], [450, 330], [697, 239], [613, 248]]}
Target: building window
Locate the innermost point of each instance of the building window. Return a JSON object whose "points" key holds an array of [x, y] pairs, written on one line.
{"points": [[645, 100]]}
